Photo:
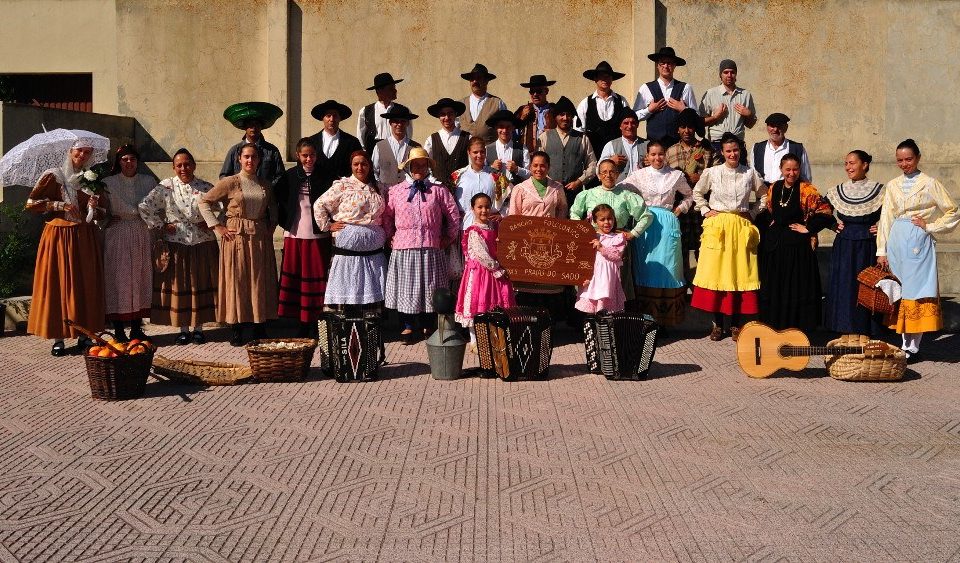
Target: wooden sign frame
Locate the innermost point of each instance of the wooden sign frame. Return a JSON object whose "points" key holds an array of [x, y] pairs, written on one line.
{"points": [[545, 250]]}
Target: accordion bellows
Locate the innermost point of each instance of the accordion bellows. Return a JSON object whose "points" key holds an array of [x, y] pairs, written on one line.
{"points": [[620, 345], [351, 347], [514, 342]]}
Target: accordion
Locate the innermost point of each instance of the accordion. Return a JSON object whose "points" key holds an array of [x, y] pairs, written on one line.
{"points": [[514, 342], [351, 347], [620, 345]]}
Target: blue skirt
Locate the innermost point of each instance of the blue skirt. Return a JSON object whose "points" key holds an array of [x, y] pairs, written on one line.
{"points": [[851, 254], [357, 280], [657, 257], [913, 259]]}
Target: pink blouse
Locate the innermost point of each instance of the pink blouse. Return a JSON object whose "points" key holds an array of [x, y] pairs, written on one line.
{"points": [[526, 201], [418, 223]]}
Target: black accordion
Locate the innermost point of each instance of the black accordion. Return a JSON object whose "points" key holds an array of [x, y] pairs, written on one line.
{"points": [[514, 342], [351, 346], [620, 345]]}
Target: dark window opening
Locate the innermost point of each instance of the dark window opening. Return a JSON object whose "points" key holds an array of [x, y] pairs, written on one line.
{"points": [[59, 91]]}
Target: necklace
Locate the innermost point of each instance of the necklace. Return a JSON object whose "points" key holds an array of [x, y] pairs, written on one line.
{"points": [[785, 201]]}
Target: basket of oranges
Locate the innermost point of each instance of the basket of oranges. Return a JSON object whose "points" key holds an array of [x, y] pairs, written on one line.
{"points": [[117, 370]]}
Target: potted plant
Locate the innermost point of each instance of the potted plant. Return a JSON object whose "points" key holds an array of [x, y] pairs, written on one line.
{"points": [[17, 250]]}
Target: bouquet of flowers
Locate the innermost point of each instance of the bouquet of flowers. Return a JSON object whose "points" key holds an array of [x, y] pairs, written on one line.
{"points": [[91, 181]]}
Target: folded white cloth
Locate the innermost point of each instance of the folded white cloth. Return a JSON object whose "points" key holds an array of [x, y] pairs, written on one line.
{"points": [[890, 288]]}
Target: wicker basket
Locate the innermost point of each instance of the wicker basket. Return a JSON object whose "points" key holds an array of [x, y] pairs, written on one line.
{"points": [[195, 372], [869, 295], [858, 367], [272, 364], [118, 378]]}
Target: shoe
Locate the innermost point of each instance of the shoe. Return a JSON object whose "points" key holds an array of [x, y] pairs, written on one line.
{"points": [[59, 349], [199, 338], [407, 337], [83, 344], [237, 339], [183, 338], [137, 334], [734, 333], [716, 334]]}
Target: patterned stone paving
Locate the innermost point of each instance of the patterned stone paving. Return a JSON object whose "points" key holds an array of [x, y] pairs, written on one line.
{"points": [[697, 463]]}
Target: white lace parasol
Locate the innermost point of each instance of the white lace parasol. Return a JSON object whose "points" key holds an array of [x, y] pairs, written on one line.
{"points": [[24, 163]]}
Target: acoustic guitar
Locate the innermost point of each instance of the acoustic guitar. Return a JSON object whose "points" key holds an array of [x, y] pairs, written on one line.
{"points": [[762, 350]]}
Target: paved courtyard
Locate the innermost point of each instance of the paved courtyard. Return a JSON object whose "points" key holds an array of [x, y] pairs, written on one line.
{"points": [[697, 463]]}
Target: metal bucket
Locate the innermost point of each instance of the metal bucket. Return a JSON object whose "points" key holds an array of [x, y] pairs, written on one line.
{"points": [[445, 349]]}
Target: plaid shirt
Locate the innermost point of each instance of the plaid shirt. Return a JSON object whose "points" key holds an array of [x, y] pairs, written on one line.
{"points": [[691, 160]]}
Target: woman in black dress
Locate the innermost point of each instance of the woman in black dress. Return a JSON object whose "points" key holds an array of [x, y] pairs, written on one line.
{"points": [[789, 277]]}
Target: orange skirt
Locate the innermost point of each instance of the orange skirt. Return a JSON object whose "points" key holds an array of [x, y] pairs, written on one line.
{"points": [[68, 280], [921, 315]]}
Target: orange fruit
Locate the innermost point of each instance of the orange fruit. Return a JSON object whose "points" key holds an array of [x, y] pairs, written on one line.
{"points": [[133, 342], [106, 353], [94, 350]]}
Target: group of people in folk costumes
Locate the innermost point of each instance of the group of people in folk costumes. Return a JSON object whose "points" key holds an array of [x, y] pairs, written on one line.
{"points": [[378, 219]]}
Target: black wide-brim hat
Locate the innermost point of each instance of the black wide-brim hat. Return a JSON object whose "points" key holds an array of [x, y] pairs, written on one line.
{"points": [[241, 113], [690, 118], [478, 69], [564, 105], [457, 107], [398, 112], [603, 66], [503, 115], [538, 81], [384, 79], [667, 52], [320, 110]]}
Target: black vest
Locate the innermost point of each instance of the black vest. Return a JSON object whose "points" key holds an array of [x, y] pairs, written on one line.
{"points": [[337, 166], [598, 131], [567, 162], [760, 148], [287, 193], [664, 123], [446, 164], [370, 139], [516, 156]]}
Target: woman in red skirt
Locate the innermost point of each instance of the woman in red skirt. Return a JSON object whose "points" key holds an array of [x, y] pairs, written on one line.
{"points": [[306, 249]]}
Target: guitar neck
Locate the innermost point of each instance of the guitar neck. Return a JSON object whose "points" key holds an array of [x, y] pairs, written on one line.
{"points": [[787, 350]]}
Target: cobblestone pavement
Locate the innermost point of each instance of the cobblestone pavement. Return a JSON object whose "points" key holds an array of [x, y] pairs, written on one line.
{"points": [[699, 462]]}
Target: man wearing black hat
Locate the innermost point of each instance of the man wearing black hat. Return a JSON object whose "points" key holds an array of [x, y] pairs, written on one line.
{"points": [[253, 118], [572, 160], [728, 108], [372, 128], [480, 105], [767, 154], [334, 146], [535, 116], [513, 159], [597, 112], [448, 146], [390, 152], [660, 101]]}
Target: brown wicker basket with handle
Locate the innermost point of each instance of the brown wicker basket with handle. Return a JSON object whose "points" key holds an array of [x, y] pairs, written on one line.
{"points": [[869, 295], [121, 377], [281, 359], [887, 366], [196, 372]]}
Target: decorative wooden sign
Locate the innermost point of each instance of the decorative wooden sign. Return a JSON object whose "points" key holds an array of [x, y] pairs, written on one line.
{"points": [[543, 250]]}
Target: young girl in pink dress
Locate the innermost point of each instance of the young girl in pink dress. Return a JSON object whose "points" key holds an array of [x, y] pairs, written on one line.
{"points": [[604, 291], [485, 284]]}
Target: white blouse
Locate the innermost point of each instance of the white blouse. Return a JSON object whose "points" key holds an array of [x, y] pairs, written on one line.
{"points": [[174, 202], [740, 190], [659, 187]]}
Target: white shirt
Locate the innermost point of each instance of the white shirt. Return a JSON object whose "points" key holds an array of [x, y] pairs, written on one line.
{"points": [[476, 104], [330, 142], [644, 97], [634, 158], [381, 125], [505, 154], [771, 162], [605, 108], [448, 138], [399, 149]]}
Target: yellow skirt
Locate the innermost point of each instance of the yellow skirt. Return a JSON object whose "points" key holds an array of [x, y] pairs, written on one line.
{"points": [[728, 254], [921, 315]]}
